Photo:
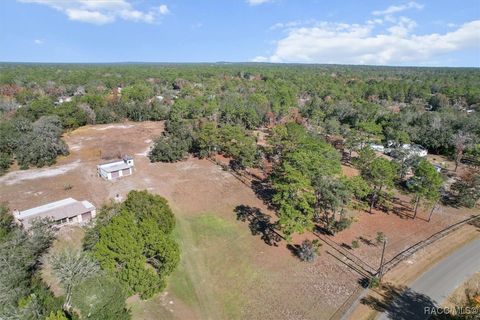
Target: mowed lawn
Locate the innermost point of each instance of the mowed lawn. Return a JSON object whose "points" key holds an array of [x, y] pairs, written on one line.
{"points": [[213, 276]]}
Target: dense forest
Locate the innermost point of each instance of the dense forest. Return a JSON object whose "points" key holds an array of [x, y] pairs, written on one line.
{"points": [[316, 118], [427, 106]]}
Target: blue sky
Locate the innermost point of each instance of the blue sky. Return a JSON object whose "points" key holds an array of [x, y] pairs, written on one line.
{"points": [[425, 33]]}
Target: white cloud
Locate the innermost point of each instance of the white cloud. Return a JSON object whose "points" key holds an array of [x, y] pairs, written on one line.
{"points": [[38, 41], [292, 24], [102, 11], [163, 9], [257, 2], [260, 59], [402, 27], [360, 44], [197, 25], [94, 17], [400, 8]]}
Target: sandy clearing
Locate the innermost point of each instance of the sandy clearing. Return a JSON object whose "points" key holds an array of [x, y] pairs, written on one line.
{"points": [[32, 174], [145, 152], [114, 126]]}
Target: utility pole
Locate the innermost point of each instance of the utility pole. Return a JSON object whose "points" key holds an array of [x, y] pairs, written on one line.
{"points": [[380, 270], [431, 212]]}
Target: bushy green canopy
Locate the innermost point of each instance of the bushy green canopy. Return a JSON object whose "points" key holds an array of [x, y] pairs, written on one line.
{"points": [[136, 245]]}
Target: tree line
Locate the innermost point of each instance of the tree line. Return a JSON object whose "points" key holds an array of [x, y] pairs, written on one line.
{"points": [[427, 106]]}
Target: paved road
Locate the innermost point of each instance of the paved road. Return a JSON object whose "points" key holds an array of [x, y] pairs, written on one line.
{"points": [[435, 285]]}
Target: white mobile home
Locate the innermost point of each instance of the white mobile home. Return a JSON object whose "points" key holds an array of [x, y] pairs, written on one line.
{"points": [[116, 169], [66, 211]]}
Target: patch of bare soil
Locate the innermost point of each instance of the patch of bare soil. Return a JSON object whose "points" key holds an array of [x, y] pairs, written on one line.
{"points": [[18, 176], [89, 146], [350, 171], [398, 225]]}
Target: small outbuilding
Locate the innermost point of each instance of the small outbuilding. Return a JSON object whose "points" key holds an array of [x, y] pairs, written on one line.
{"points": [[66, 211], [116, 169]]}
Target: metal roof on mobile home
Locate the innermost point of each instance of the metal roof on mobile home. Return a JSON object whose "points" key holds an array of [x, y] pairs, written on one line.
{"points": [[114, 166], [57, 210]]}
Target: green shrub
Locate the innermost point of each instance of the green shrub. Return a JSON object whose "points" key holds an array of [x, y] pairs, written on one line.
{"points": [[355, 244], [168, 148], [374, 282], [308, 250]]}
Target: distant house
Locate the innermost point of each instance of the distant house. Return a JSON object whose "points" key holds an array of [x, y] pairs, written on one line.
{"points": [[66, 211], [407, 151], [415, 150], [116, 169], [117, 91], [377, 147], [63, 99]]}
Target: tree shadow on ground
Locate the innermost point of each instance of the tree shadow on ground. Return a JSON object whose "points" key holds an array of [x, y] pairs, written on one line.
{"points": [[323, 231], [263, 191], [294, 249], [259, 224], [366, 241], [400, 303], [475, 223], [364, 282], [401, 208], [346, 246]]}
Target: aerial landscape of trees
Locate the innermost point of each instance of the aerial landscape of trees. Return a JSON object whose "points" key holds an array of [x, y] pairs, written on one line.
{"points": [[300, 126], [214, 110]]}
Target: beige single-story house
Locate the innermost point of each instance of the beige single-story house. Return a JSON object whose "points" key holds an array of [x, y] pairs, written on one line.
{"points": [[66, 211], [116, 169]]}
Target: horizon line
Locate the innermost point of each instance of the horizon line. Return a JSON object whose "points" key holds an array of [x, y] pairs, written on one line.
{"points": [[236, 63]]}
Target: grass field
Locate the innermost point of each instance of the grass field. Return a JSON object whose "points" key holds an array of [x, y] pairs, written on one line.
{"points": [[213, 274]]}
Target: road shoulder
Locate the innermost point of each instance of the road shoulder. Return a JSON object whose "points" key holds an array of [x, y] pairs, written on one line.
{"points": [[413, 267]]}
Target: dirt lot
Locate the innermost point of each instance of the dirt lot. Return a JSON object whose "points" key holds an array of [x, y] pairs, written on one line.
{"points": [[225, 271]]}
